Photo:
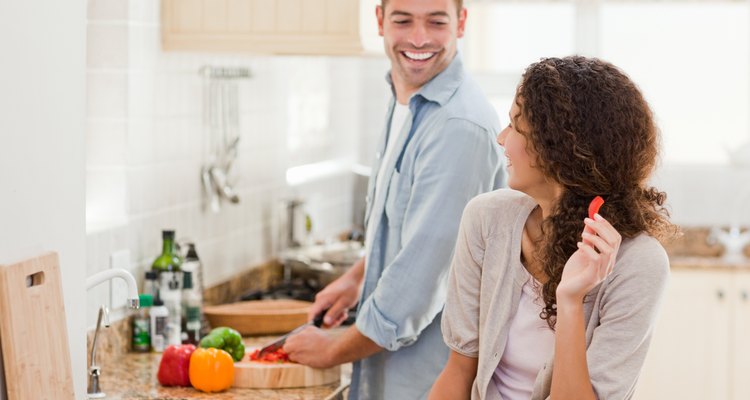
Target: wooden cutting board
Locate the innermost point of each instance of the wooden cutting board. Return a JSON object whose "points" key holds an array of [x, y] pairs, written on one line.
{"points": [[259, 317], [33, 332], [264, 375]]}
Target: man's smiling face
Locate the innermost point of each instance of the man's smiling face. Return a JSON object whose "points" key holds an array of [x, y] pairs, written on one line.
{"points": [[420, 38]]}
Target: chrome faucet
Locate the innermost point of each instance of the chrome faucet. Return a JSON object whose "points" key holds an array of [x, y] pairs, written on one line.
{"points": [[94, 390], [108, 274], [733, 240]]}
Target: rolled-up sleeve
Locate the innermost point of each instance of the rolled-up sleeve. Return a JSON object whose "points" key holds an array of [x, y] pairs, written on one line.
{"points": [[451, 168]]}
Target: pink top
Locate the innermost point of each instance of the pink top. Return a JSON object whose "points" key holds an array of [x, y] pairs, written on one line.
{"points": [[530, 344]]}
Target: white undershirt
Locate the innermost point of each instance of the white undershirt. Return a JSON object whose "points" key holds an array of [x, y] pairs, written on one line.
{"points": [[398, 119], [530, 345]]}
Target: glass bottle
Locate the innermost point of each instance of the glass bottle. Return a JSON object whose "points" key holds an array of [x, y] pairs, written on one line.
{"points": [[159, 315], [168, 260], [171, 295], [151, 283], [191, 310]]}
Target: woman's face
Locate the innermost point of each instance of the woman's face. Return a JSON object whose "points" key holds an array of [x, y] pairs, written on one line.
{"points": [[523, 174]]}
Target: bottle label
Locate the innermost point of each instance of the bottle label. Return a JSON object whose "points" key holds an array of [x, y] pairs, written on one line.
{"points": [[158, 337], [141, 335]]}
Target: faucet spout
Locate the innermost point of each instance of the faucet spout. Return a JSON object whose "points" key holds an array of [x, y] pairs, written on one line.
{"points": [[106, 275]]}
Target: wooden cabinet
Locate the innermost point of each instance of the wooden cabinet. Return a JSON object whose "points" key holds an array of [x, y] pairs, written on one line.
{"points": [[699, 349], [336, 27]]}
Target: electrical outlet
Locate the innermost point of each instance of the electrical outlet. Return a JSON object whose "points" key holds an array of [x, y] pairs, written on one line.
{"points": [[118, 288]]}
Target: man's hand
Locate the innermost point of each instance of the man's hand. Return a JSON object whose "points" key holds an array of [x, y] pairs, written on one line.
{"points": [[312, 347], [320, 349], [339, 296]]}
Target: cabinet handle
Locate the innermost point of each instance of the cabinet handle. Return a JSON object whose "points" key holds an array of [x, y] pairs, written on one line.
{"points": [[720, 294], [744, 295]]}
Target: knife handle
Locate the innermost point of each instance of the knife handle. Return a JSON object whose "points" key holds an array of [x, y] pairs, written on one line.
{"points": [[318, 320]]}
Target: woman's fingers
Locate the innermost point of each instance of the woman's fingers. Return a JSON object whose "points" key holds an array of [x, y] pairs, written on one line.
{"points": [[598, 243], [599, 262]]}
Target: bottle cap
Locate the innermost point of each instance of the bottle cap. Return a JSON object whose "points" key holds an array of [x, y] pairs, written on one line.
{"points": [[167, 234], [191, 253], [151, 275], [187, 280], [145, 300]]}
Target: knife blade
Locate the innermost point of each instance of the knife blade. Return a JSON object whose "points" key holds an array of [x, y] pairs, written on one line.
{"points": [[279, 343]]}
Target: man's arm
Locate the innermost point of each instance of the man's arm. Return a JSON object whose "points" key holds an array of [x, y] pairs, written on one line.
{"points": [[453, 166]]}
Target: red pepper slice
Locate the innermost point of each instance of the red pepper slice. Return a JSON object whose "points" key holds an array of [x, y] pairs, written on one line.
{"points": [[277, 356], [595, 205]]}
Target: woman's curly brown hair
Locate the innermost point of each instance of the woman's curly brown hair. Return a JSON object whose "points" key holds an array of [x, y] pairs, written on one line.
{"points": [[594, 134]]}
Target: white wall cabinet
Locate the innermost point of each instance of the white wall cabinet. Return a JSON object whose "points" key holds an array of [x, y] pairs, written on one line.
{"points": [[325, 27], [699, 349]]}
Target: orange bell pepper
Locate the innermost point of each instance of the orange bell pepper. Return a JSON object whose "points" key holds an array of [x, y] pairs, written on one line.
{"points": [[211, 370]]}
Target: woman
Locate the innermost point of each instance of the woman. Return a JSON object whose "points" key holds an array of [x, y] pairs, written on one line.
{"points": [[534, 282]]}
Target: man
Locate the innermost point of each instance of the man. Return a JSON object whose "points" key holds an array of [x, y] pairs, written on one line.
{"points": [[438, 151]]}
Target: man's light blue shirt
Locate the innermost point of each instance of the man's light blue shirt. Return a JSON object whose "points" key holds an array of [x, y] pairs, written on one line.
{"points": [[445, 154]]}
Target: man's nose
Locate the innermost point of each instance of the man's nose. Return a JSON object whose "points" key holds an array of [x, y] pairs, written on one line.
{"points": [[418, 36]]}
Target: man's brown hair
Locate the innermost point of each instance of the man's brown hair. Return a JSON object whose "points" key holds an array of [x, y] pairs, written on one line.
{"points": [[459, 4]]}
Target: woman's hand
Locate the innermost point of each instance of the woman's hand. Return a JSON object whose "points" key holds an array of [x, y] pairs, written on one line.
{"points": [[592, 262]]}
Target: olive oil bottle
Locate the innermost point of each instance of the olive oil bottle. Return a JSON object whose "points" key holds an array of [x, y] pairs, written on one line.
{"points": [[168, 260]]}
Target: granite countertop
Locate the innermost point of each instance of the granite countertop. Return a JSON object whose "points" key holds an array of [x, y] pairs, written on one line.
{"points": [[133, 376]]}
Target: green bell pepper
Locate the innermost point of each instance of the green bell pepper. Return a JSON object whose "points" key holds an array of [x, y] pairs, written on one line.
{"points": [[226, 339]]}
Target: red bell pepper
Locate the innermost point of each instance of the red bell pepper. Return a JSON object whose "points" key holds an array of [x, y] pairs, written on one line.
{"points": [[595, 205], [174, 366]]}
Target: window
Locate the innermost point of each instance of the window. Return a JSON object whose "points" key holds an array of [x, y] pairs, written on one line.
{"points": [[691, 60]]}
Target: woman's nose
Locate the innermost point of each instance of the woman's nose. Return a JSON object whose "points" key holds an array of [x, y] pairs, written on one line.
{"points": [[501, 137]]}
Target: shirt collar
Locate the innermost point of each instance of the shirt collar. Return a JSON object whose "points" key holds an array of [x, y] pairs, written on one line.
{"points": [[440, 88]]}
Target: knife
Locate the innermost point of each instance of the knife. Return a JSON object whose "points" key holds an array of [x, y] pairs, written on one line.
{"points": [[279, 343]]}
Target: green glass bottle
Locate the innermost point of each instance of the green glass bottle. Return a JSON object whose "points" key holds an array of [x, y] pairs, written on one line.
{"points": [[169, 260]]}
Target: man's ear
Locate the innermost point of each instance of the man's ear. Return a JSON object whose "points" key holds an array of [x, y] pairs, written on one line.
{"points": [[461, 23], [379, 15]]}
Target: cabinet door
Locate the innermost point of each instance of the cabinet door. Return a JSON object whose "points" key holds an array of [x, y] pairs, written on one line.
{"points": [[740, 353], [688, 357], [263, 26]]}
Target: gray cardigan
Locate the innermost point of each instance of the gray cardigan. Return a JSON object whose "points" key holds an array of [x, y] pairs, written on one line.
{"points": [[485, 287]]}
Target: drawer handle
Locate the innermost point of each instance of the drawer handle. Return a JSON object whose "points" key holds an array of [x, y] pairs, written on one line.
{"points": [[720, 294]]}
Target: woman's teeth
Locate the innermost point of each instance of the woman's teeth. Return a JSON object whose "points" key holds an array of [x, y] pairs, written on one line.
{"points": [[418, 56]]}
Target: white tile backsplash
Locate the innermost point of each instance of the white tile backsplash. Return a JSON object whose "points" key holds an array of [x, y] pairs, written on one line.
{"points": [[108, 10], [107, 45], [147, 143], [106, 94]]}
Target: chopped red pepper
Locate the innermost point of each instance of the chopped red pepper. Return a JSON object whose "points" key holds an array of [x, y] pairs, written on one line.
{"points": [[595, 205], [277, 356]]}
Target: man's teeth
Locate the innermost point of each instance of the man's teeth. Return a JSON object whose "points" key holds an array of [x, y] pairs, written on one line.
{"points": [[418, 56]]}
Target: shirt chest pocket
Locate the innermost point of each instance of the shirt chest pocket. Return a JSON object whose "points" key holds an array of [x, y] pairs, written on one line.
{"points": [[399, 192]]}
